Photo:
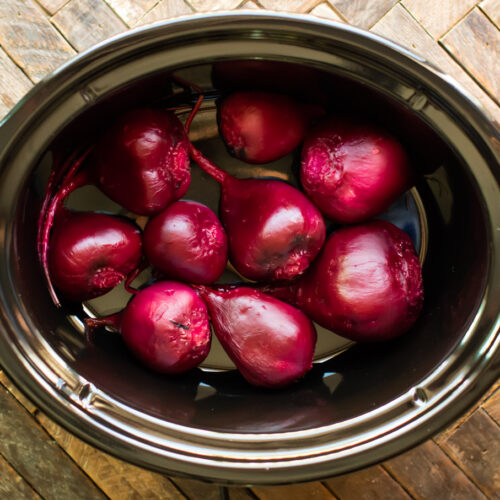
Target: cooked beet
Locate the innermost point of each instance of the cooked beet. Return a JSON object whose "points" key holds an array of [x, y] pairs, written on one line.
{"points": [[90, 253], [274, 231], [353, 170], [366, 284], [259, 127], [165, 325], [270, 342], [142, 161], [187, 242]]}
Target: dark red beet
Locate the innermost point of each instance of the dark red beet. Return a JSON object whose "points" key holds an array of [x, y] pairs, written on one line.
{"points": [[259, 127], [187, 242], [274, 231], [270, 342], [353, 170], [366, 284], [165, 325], [91, 253], [142, 161]]}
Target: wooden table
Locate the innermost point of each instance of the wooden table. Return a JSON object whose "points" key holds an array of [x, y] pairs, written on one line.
{"points": [[40, 459]]}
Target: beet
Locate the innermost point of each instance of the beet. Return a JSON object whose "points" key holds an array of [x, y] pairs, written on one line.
{"points": [[366, 284], [274, 231], [90, 253], [142, 161], [353, 170], [165, 325], [259, 127], [187, 242], [270, 342]]}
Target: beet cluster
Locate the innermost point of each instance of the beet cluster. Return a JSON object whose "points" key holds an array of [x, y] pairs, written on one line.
{"points": [[363, 281]]}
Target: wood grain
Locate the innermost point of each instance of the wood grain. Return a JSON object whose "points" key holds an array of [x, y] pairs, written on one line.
{"points": [[30, 40], [492, 9], [286, 5], [207, 5], [475, 445], [249, 5], [400, 26], [372, 483], [324, 10], [475, 44], [12, 485], [87, 22], [130, 11], [492, 406], [166, 9], [114, 477], [37, 458], [311, 491], [52, 6], [13, 85], [437, 21], [362, 13], [198, 490], [426, 472]]}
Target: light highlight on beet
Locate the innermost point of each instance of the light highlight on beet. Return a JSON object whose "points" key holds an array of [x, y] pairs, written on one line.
{"points": [[353, 170]]}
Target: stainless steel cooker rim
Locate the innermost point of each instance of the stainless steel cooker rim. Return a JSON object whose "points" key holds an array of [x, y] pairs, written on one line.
{"points": [[238, 458]]}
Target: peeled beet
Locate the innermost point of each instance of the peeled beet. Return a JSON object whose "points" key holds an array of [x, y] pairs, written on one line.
{"points": [[142, 160], [353, 170], [366, 284], [270, 342], [274, 231], [165, 325], [187, 242], [259, 127], [90, 253]]}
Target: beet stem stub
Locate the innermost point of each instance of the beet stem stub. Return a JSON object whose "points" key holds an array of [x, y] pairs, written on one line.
{"points": [[71, 182], [93, 324], [208, 166]]}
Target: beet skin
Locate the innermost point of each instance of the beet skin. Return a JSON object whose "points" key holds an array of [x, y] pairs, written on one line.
{"points": [[366, 284], [270, 342], [187, 242], [353, 170], [90, 253]]}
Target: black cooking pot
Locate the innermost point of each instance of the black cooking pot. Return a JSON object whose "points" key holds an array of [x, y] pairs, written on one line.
{"points": [[360, 403]]}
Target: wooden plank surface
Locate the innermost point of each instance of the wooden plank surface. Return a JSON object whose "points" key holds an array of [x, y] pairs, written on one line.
{"points": [[37, 458], [30, 40], [474, 35], [492, 406], [475, 445], [12, 485], [13, 83], [36, 36], [117, 479], [362, 13], [372, 483], [438, 21], [426, 472], [492, 9], [87, 22]]}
